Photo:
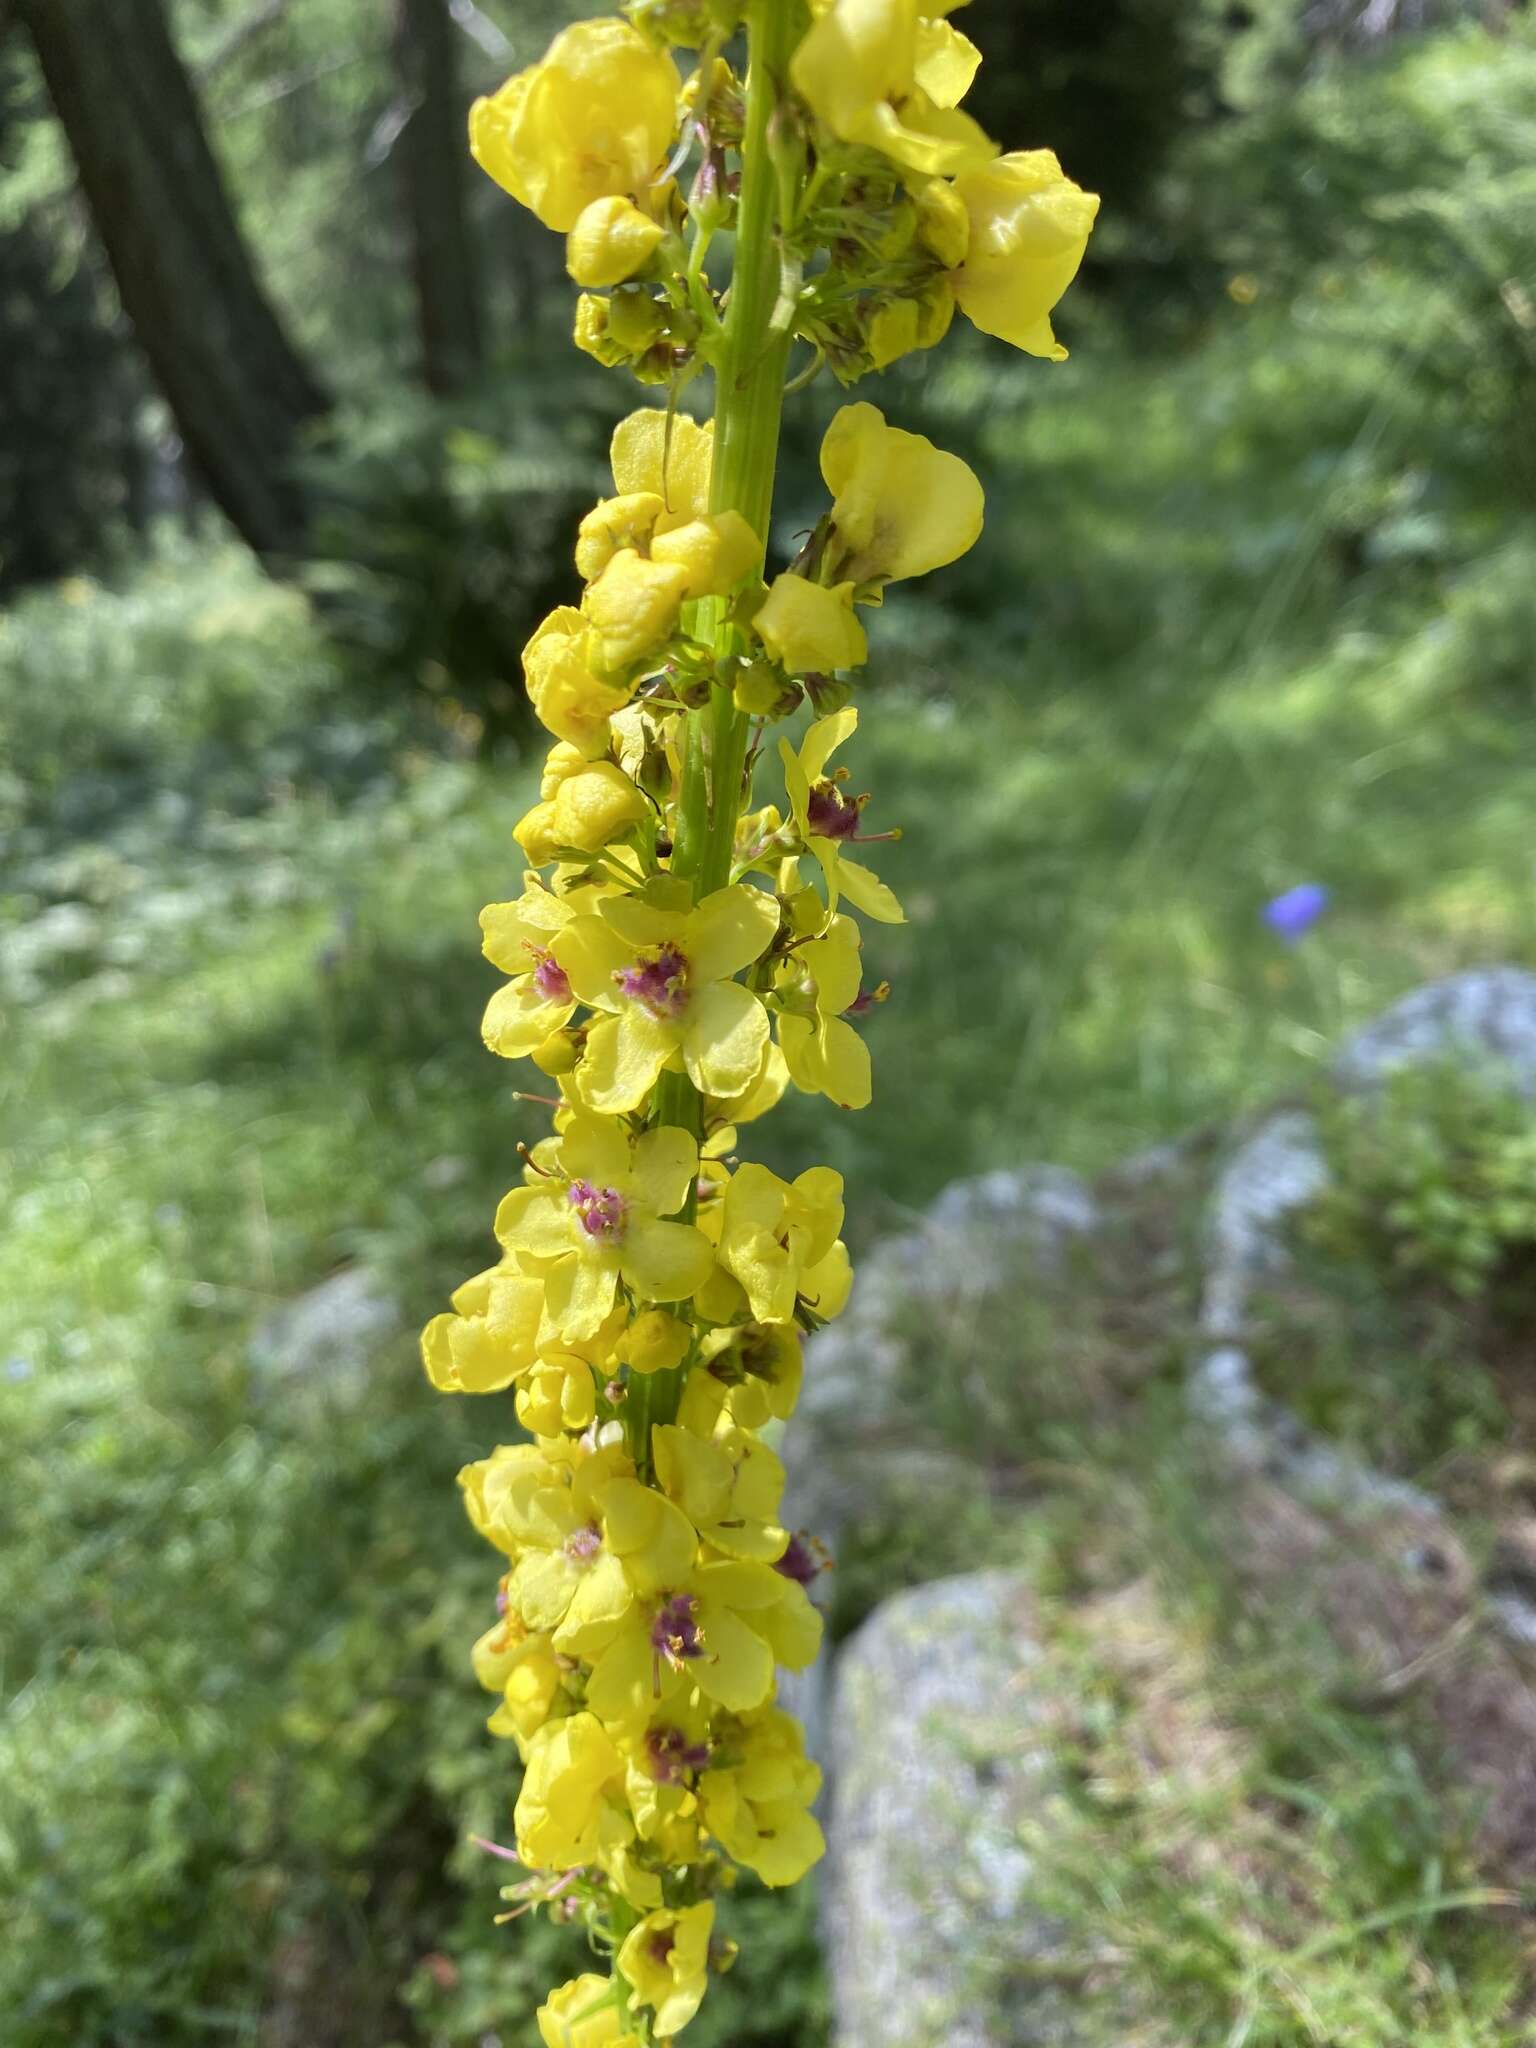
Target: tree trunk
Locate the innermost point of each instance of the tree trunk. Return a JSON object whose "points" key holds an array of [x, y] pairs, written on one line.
{"points": [[241, 395], [434, 164]]}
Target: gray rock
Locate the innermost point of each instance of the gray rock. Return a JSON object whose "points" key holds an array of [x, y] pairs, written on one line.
{"points": [[1274, 1173], [1487, 1015], [1488, 1012], [940, 1745], [325, 1341], [849, 1449]]}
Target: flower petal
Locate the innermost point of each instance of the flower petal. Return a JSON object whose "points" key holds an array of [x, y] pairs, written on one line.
{"points": [[518, 1018], [724, 1039], [665, 1162], [729, 930], [624, 1055], [867, 892], [665, 1261]]}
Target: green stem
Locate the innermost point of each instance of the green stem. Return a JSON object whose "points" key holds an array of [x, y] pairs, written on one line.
{"points": [[749, 400]]}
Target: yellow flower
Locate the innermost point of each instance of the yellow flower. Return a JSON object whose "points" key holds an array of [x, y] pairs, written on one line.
{"points": [[633, 608], [614, 523], [585, 2014], [611, 241], [666, 1958], [774, 1232], [810, 629], [600, 1221], [728, 1487], [1029, 228], [664, 977], [593, 120], [591, 803], [827, 820], [567, 697], [757, 1805], [574, 1769], [538, 999], [490, 1337], [876, 73], [901, 506], [819, 981], [721, 1629], [488, 1483], [584, 1536], [667, 455], [753, 1371], [714, 550], [557, 1393]]}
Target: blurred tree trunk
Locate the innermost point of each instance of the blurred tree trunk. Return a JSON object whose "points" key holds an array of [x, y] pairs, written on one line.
{"points": [[434, 167], [241, 395]]}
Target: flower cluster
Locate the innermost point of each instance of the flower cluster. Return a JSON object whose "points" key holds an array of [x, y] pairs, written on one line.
{"points": [[685, 949]]}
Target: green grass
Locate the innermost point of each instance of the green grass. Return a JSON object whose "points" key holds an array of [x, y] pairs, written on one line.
{"points": [[1252, 611]]}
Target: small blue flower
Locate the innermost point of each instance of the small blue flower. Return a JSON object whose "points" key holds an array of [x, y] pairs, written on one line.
{"points": [[1296, 911]]}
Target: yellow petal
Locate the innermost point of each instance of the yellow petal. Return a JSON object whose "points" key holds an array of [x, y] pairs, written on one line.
{"points": [[624, 1055], [611, 241], [902, 506], [724, 1038], [668, 454], [809, 629], [665, 1261], [1029, 230], [730, 929]]}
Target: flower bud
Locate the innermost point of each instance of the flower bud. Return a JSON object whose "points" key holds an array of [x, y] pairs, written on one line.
{"points": [[611, 241], [763, 691], [943, 223], [592, 336], [892, 332], [655, 1342], [935, 310], [635, 321], [557, 1055]]}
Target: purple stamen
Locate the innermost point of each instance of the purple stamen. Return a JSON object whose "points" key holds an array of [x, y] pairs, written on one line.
{"points": [[804, 1560], [549, 977], [602, 1210], [582, 1545], [659, 982], [830, 814], [672, 1756], [675, 1633]]}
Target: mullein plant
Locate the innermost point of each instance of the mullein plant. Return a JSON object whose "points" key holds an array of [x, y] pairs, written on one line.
{"points": [[687, 942]]}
